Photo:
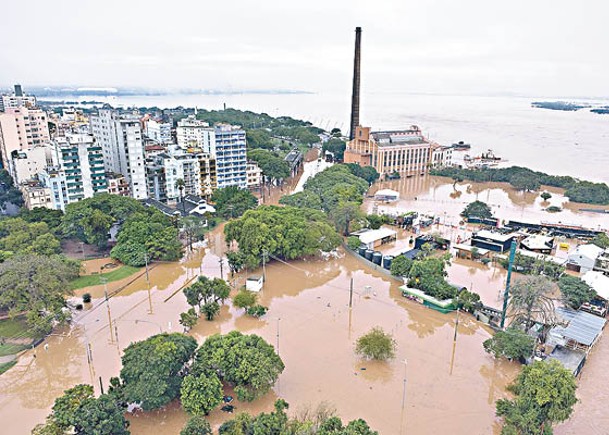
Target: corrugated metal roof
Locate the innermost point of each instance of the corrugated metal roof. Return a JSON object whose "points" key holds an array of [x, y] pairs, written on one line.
{"points": [[583, 327]]}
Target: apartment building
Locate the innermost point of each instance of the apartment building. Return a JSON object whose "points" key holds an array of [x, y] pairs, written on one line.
{"points": [[17, 99], [194, 133], [79, 171], [231, 158], [254, 175], [36, 196], [21, 129], [158, 131], [25, 165], [120, 137]]}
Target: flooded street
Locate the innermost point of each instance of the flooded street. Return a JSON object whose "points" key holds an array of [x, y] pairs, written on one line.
{"points": [[437, 196], [447, 386]]}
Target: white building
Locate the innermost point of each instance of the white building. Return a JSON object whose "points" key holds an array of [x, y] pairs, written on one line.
{"points": [[25, 165], [583, 259], [22, 129], [36, 196], [254, 175], [231, 159], [193, 133], [158, 131], [79, 171], [441, 156], [120, 137], [16, 100]]}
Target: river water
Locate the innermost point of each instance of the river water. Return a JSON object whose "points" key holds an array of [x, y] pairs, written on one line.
{"points": [[562, 143]]}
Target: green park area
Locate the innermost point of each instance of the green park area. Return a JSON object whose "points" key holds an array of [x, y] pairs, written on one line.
{"points": [[97, 279]]}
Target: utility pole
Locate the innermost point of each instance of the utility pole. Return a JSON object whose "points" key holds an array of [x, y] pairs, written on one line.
{"points": [[404, 389], [456, 325], [351, 294], [277, 345], [506, 295], [264, 254], [221, 261], [108, 306], [148, 284]]}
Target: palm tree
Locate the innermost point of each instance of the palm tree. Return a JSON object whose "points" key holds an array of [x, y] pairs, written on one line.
{"points": [[180, 186]]}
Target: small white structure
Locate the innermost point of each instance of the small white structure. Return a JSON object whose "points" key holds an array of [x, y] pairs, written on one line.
{"points": [[599, 282], [254, 283], [538, 243], [374, 238], [386, 195], [584, 258]]}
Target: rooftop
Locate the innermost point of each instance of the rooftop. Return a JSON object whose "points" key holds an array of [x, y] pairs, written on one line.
{"points": [[582, 327], [486, 234], [373, 235], [599, 282]]}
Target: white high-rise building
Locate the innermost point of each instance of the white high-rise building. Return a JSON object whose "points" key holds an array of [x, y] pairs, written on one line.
{"points": [[158, 131], [120, 137], [193, 133], [18, 99], [78, 170], [231, 156]]}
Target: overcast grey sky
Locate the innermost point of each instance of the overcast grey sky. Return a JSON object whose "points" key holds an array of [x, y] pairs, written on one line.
{"points": [[535, 47]]}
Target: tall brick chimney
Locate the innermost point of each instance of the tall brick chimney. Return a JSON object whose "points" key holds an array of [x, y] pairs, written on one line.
{"points": [[356, 81]]}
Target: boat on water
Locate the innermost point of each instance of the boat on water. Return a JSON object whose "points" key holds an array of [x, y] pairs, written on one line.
{"points": [[461, 146], [483, 160]]}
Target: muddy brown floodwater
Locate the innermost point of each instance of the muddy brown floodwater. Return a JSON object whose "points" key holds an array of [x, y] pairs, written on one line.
{"points": [[437, 195], [450, 388]]}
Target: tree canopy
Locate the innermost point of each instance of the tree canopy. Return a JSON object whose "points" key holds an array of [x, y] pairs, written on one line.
{"points": [[18, 236], [376, 344], [232, 202], [318, 422], [90, 219], [524, 178], [201, 393], [272, 165], [477, 209], [196, 425], [151, 369], [78, 411], [601, 240], [147, 233], [511, 344], [337, 147], [575, 291], [401, 265], [207, 294], [246, 362], [428, 274], [284, 232], [544, 394], [368, 173], [50, 217], [37, 285]]}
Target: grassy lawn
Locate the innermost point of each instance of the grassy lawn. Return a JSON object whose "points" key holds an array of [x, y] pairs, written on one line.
{"points": [[5, 366], [115, 275], [14, 327], [10, 349]]}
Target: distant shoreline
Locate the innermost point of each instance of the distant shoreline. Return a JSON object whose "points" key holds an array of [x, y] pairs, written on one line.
{"points": [[567, 106]]}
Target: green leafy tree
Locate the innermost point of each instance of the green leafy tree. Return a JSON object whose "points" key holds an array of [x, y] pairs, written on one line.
{"points": [[236, 261], [101, 416], [259, 138], [196, 425], [337, 147], [544, 395], [232, 202], [353, 242], [42, 214], [477, 209], [345, 213], [272, 166], [149, 233], [511, 344], [37, 285], [368, 173], [18, 236], [189, 318], [376, 344], [429, 274], [245, 299], [525, 182], [304, 199], [601, 240], [575, 291], [256, 310], [201, 393], [151, 369], [545, 195], [401, 265], [207, 291], [284, 232], [210, 310], [246, 362], [66, 407], [468, 301], [375, 221]]}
